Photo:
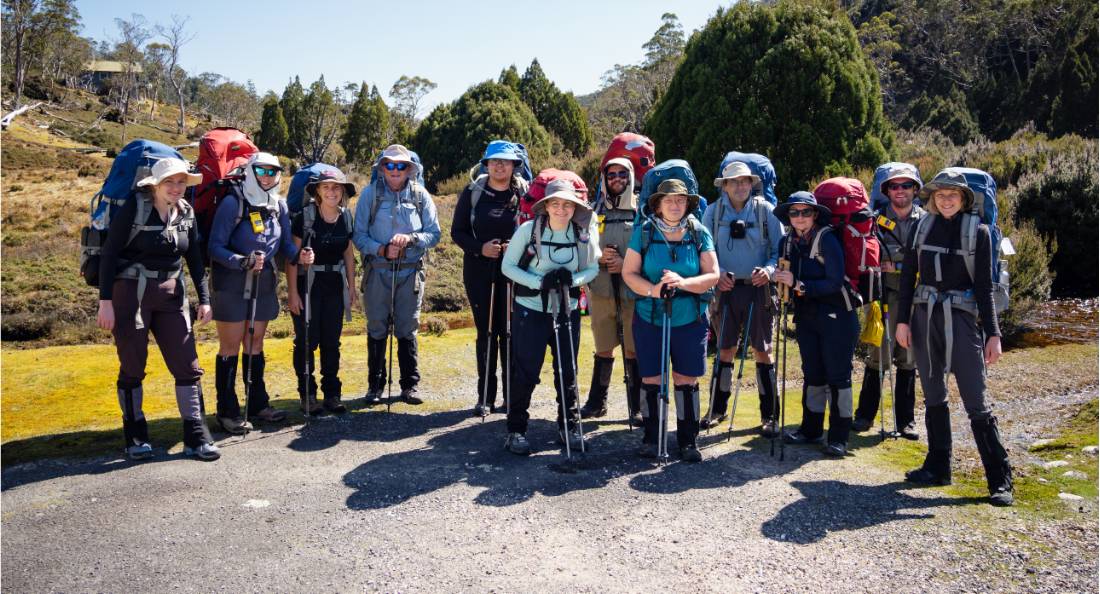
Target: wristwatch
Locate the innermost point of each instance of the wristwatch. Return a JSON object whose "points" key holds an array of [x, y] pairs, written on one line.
{"points": [[799, 288], [649, 291]]}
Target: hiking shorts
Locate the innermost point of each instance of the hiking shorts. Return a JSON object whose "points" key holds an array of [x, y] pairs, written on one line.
{"points": [[687, 348], [601, 310], [228, 299], [738, 300]]}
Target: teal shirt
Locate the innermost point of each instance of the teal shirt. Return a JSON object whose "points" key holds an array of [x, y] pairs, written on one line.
{"points": [[550, 259], [685, 308]]}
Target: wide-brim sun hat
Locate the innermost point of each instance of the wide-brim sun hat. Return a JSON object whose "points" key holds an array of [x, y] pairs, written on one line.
{"points": [[266, 160], [672, 187], [802, 197], [396, 153], [166, 168], [907, 171], [331, 176], [502, 149], [561, 189], [947, 180], [734, 170]]}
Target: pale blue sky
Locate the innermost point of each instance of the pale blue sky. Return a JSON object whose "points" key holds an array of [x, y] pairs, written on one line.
{"points": [[455, 44]]}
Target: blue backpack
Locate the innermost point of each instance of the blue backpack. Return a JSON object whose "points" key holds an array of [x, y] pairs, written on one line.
{"points": [[760, 166], [133, 163], [671, 169], [879, 201], [295, 196]]}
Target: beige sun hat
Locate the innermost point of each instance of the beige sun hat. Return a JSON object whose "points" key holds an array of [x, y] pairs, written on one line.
{"points": [[166, 168], [733, 170]]}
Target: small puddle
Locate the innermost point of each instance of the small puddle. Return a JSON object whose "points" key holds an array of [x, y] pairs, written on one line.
{"points": [[1060, 321]]}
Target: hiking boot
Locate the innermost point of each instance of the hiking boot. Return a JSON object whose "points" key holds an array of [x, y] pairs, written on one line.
{"points": [[408, 396], [910, 432], [709, 421], [797, 437], [517, 444], [333, 406], [139, 451], [924, 476], [769, 428], [835, 450], [998, 472], [690, 453], [270, 415], [206, 452], [936, 469], [1002, 497], [648, 450], [499, 410], [859, 424], [310, 407], [234, 425], [576, 439], [373, 396], [594, 410], [480, 410]]}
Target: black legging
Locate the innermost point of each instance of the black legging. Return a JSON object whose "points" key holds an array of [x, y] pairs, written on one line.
{"points": [[477, 275]]}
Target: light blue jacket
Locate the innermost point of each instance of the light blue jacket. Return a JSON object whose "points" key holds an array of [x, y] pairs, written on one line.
{"points": [[549, 259], [397, 213], [741, 256]]}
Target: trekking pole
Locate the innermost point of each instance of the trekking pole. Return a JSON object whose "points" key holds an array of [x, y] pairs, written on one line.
{"points": [[489, 354], [784, 296], [740, 369], [666, 372], [555, 311], [616, 284], [572, 356], [253, 292], [391, 331], [714, 379], [508, 348]]}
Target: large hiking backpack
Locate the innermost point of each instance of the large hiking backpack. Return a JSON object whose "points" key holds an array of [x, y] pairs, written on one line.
{"points": [[537, 190], [133, 163], [760, 166], [221, 151], [879, 201], [296, 197], [854, 224], [635, 147], [671, 169], [984, 211]]}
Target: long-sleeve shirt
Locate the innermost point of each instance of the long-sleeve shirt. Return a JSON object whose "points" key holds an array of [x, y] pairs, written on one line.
{"points": [[947, 233], [494, 218], [550, 258], [741, 256], [155, 250], [230, 244], [397, 213], [822, 280]]}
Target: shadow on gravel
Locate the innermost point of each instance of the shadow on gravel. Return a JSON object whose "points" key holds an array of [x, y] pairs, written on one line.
{"points": [[833, 506], [372, 424], [475, 455]]}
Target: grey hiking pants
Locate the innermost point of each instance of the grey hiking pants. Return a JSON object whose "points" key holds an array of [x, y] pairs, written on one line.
{"points": [[967, 359], [377, 283]]}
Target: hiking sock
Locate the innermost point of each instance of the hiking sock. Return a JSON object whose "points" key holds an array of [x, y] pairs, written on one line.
{"points": [[225, 386]]}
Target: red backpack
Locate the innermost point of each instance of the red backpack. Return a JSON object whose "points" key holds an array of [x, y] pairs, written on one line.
{"points": [[537, 190], [639, 149], [221, 150], [853, 223]]}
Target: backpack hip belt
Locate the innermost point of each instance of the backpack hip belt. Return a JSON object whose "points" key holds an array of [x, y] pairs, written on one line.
{"points": [[380, 264], [139, 272], [340, 267], [951, 300]]}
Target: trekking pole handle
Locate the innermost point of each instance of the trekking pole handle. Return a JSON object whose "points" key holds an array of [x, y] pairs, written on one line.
{"points": [[784, 290]]}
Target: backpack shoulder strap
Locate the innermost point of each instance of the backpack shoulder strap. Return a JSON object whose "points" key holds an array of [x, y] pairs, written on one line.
{"points": [[309, 217], [719, 209], [345, 213], [762, 219], [815, 245], [969, 242], [477, 189], [582, 240]]}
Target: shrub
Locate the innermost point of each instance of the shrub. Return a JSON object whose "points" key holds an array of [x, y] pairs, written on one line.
{"points": [[1030, 275], [788, 80], [26, 325], [435, 326]]}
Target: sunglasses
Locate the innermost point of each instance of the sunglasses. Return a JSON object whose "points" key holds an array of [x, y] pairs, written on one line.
{"points": [[801, 212], [902, 186], [617, 175], [390, 166], [265, 171]]}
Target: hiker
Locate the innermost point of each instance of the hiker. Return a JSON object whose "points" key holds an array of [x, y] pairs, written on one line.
{"points": [[896, 229], [142, 289], [825, 327], [325, 225], [746, 235], [250, 226], [395, 226], [610, 302], [484, 221], [558, 248], [948, 302], [671, 251]]}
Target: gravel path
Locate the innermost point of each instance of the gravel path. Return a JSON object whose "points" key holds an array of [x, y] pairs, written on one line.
{"points": [[430, 502]]}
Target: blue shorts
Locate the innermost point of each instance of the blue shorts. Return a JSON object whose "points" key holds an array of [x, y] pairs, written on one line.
{"points": [[688, 348]]}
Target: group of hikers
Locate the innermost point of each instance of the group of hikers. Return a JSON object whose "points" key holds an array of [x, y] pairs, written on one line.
{"points": [[661, 270]]}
